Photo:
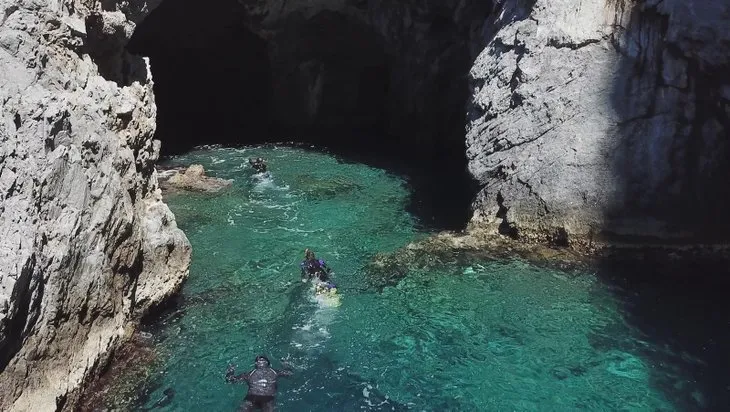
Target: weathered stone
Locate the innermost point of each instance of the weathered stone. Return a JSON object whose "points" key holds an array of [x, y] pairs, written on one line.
{"points": [[194, 179], [86, 244], [601, 117]]}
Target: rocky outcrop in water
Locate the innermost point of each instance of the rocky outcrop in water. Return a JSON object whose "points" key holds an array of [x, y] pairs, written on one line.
{"points": [[86, 244], [602, 117], [192, 179]]}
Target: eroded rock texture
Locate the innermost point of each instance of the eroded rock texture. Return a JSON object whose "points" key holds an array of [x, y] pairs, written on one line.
{"points": [[192, 179], [602, 117], [86, 244]]}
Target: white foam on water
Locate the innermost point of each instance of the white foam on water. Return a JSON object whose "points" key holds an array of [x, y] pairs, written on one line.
{"points": [[263, 181], [295, 230], [314, 332], [166, 173]]}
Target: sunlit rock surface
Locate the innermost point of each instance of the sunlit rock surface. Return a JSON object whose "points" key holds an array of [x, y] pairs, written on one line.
{"points": [[602, 117], [86, 244], [192, 179]]}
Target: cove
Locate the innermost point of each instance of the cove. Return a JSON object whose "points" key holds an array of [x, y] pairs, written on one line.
{"points": [[462, 334]]}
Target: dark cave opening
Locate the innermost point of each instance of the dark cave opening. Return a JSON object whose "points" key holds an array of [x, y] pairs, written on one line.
{"points": [[228, 103], [338, 79], [211, 89]]}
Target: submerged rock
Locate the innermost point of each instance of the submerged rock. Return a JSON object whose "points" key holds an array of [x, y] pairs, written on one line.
{"points": [[193, 179], [129, 380], [459, 249], [320, 189]]}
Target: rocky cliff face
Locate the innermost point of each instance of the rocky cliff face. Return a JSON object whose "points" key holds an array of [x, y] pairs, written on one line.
{"points": [[602, 117], [585, 118], [86, 244]]}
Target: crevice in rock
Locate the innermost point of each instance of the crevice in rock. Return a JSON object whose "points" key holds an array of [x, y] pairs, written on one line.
{"points": [[133, 272], [19, 321], [61, 401], [498, 47], [106, 36], [505, 228], [556, 43], [499, 147], [516, 99], [559, 237]]}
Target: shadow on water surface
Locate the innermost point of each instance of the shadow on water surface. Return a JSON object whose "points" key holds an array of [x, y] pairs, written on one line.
{"points": [[660, 319], [681, 312], [441, 192], [672, 166]]}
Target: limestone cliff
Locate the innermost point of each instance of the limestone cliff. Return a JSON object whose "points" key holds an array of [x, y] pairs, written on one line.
{"points": [[602, 117], [86, 244]]}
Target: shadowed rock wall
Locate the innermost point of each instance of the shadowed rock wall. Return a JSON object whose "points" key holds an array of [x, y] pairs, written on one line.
{"points": [[602, 118]]}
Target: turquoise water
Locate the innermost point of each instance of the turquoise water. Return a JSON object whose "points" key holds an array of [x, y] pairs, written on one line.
{"points": [[463, 334]]}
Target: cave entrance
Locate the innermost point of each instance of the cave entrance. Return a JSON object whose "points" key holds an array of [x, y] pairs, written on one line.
{"points": [[331, 78], [211, 75]]}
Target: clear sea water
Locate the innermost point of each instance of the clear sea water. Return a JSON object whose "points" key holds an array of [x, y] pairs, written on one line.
{"points": [[462, 335]]}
